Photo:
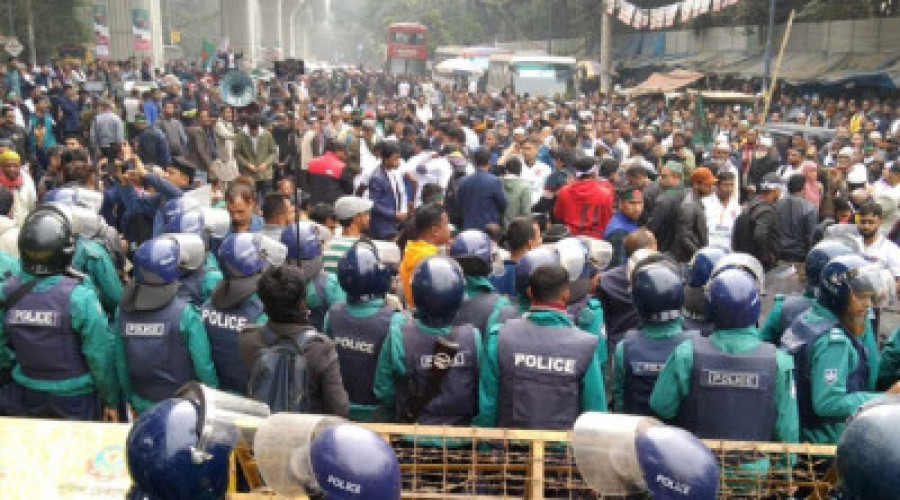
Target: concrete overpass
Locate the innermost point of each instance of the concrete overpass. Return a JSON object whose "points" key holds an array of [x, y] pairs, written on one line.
{"points": [[261, 29]]}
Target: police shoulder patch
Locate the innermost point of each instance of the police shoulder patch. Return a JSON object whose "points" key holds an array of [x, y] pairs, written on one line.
{"points": [[831, 375]]}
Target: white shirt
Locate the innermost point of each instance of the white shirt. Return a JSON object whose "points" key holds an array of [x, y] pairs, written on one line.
{"points": [[883, 251], [536, 175], [720, 219], [403, 89], [132, 108], [411, 167], [9, 236]]}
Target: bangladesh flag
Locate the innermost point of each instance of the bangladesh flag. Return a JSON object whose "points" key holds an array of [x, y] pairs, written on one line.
{"points": [[208, 55]]}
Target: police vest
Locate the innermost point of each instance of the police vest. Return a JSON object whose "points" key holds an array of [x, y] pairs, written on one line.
{"points": [[477, 311], [643, 359], [695, 323], [222, 328], [317, 314], [457, 401], [732, 396], [158, 359], [541, 370], [39, 328], [191, 288], [799, 341], [358, 343]]}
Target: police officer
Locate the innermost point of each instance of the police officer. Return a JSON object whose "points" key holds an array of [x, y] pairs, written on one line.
{"points": [[483, 307], [211, 225], [836, 372], [92, 257], [304, 244], [542, 370], [234, 304], [789, 307], [360, 326], [161, 342], [658, 295], [55, 337], [428, 371], [699, 270], [729, 385], [583, 308], [868, 454]]}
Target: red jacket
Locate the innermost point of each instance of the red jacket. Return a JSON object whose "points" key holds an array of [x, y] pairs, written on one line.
{"points": [[586, 207]]}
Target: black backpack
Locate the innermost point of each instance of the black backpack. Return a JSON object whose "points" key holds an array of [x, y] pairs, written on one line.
{"points": [[279, 376]]}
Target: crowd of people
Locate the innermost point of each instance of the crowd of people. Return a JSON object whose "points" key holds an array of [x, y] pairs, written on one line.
{"points": [[445, 257]]}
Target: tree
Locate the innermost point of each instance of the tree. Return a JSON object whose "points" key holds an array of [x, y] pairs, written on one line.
{"points": [[56, 24]]}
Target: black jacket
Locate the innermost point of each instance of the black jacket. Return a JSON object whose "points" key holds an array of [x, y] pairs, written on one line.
{"points": [[795, 222], [327, 393], [754, 232], [663, 222], [692, 233]]}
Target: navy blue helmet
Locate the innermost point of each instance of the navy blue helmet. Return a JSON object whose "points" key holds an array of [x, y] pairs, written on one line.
{"points": [[248, 254], [701, 267], [75, 196], [732, 297], [157, 262], [302, 240], [178, 206], [819, 256], [530, 263], [438, 289], [846, 275], [868, 453], [353, 463], [46, 241], [362, 275], [676, 465], [211, 224], [473, 250], [657, 292], [160, 459]]}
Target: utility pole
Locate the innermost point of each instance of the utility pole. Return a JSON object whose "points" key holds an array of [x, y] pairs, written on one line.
{"points": [[769, 35], [606, 52], [32, 51], [9, 12], [550, 27]]}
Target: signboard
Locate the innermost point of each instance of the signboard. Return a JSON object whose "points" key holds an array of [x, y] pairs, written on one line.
{"points": [[62, 460], [101, 30], [407, 52], [140, 29]]}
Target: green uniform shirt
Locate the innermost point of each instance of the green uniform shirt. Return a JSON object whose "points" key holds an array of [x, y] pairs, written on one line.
{"points": [[90, 324], [334, 294], [92, 259], [771, 330], [476, 286], [593, 392], [674, 383], [358, 412], [654, 331], [9, 265], [889, 370], [194, 333], [832, 359]]}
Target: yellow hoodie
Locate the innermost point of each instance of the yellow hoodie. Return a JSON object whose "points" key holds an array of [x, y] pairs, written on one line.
{"points": [[416, 251]]}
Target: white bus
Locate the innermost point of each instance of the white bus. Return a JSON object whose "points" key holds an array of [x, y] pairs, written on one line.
{"points": [[533, 74]]}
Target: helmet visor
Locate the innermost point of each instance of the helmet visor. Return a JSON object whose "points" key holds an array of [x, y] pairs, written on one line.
{"points": [[875, 282], [271, 251]]}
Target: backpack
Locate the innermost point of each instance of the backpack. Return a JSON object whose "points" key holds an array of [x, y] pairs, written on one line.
{"points": [[279, 376]]}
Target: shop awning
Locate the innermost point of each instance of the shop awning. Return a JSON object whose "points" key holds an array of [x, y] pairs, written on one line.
{"points": [[661, 83]]}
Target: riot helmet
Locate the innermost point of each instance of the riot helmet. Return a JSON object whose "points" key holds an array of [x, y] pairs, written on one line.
{"points": [[732, 298], [868, 453], [362, 274], [46, 241], [438, 290], [819, 256], [247, 254], [302, 240], [530, 263], [350, 462], [472, 249], [848, 275], [657, 292], [76, 196]]}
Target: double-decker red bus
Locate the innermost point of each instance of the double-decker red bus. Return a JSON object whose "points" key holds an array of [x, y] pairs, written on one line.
{"points": [[407, 49]]}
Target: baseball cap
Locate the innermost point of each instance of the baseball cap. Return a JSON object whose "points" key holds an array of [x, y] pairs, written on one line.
{"points": [[770, 182], [348, 207]]}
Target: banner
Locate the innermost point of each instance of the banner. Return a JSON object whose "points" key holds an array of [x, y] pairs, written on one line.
{"points": [[611, 6], [101, 30], [208, 55], [702, 8], [671, 14], [626, 12], [687, 10], [665, 16], [657, 16], [716, 5], [140, 29], [641, 19]]}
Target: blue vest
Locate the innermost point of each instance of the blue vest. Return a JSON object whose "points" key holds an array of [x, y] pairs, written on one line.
{"points": [[703, 326], [222, 328], [317, 314], [159, 361], [358, 343], [732, 396], [791, 309], [457, 401], [39, 328], [643, 359], [476, 311], [191, 288], [541, 371], [799, 341]]}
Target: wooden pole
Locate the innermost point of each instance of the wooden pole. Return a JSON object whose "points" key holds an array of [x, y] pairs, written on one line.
{"points": [[774, 83]]}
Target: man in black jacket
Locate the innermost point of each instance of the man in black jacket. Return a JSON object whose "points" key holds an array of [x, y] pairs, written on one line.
{"points": [[795, 221], [754, 229], [664, 219], [692, 233], [282, 291]]}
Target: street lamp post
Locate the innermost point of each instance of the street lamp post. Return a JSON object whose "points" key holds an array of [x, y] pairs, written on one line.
{"points": [[769, 36]]}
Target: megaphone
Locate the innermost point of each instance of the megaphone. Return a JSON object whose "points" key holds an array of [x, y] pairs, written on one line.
{"points": [[237, 89]]}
